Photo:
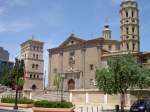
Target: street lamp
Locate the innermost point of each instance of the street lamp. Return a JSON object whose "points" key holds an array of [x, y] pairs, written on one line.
{"points": [[62, 80], [18, 71], [16, 85]]}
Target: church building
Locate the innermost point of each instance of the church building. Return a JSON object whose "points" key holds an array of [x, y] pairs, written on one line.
{"points": [[76, 59]]}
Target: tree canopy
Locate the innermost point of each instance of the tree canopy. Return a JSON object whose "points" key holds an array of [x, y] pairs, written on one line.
{"points": [[18, 73], [57, 81], [123, 73], [5, 77], [9, 76]]}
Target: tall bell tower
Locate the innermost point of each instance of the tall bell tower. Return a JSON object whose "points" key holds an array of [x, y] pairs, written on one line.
{"points": [[130, 40]]}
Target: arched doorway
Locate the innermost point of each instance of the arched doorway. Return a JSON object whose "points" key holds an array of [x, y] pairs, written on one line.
{"points": [[34, 87], [71, 84]]}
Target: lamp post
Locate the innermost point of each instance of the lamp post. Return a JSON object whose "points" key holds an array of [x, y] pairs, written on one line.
{"points": [[16, 85], [16, 97], [62, 80], [18, 72], [44, 81]]}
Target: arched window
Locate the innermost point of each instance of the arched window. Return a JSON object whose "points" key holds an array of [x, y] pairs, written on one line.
{"points": [[133, 46], [127, 30], [33, 55], [71, 84], [133, 29], [30, 75], [37, 66], [33, 65], [132, 13], [127, 46], [127, 14], [37, 56]]}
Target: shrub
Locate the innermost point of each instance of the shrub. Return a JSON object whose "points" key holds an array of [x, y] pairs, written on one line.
{"points": [[48, 104], [20, 101]]}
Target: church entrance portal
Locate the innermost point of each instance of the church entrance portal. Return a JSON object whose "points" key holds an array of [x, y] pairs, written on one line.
{"points": [[71, 84]]}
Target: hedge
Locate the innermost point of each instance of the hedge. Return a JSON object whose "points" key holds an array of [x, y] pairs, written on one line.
{"points": [[20, 101], [48, 104]]}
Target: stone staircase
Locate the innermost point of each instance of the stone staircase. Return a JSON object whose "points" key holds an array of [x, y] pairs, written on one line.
{"points": [[8, 92], [3, 89], [50, 95]]}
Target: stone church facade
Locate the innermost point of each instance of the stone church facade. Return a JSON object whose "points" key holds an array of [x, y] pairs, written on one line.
{"points": [[76, 59]]}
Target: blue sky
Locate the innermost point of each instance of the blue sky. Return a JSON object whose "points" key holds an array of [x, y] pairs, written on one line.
{"points": [[52, 21]]}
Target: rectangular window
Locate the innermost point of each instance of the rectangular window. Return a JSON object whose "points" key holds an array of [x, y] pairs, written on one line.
{"points": [[127, 46], [110, 47], [127, 14], [132, 13], [133, 46], [55, 70], [133, 29], [91, 81], [127, 30], [72, 53], [91, 67]]}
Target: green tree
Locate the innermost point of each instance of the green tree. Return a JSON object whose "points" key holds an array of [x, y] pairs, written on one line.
{"points": [[18, 74], [122, 73], [57, 82], [5, 78]]}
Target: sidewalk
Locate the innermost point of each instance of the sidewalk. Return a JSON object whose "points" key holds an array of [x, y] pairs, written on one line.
{"points": [[19, 110]]}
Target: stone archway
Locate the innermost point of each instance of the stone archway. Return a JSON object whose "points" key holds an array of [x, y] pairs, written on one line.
{"points": [[34, 87], [71, 84]]}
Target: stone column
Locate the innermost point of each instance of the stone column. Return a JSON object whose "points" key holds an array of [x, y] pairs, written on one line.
{"points": [[105, 99], [128, 100], [49, 70], [30, 94], [70, 96], [83, 50], [87, 98]]}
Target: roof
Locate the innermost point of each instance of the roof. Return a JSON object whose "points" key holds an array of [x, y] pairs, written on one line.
{"points": [[146, 54], [72, 36], [31, 40]]}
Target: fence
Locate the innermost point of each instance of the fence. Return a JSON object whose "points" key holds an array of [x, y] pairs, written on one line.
{"points": [[13, 95], [92, 109]]}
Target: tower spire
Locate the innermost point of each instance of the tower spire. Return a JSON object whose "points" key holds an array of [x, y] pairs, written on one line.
{"points": [[107, 30]]}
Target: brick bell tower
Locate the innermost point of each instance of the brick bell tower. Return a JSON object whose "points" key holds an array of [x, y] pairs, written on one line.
{"points": [[130, 40]]}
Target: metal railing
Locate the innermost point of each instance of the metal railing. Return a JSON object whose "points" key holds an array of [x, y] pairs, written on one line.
{"points": [[89, 109]]}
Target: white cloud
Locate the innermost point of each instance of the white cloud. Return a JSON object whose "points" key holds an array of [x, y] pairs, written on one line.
{"points": [[8, 4], [17, 2], [116, 1], [15, 26]]}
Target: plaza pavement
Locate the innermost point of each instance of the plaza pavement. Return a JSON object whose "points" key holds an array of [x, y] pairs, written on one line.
{"points": [[10, 109]]}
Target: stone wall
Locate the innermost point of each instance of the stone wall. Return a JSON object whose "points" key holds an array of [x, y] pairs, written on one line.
{"points": [[95, 97]]}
